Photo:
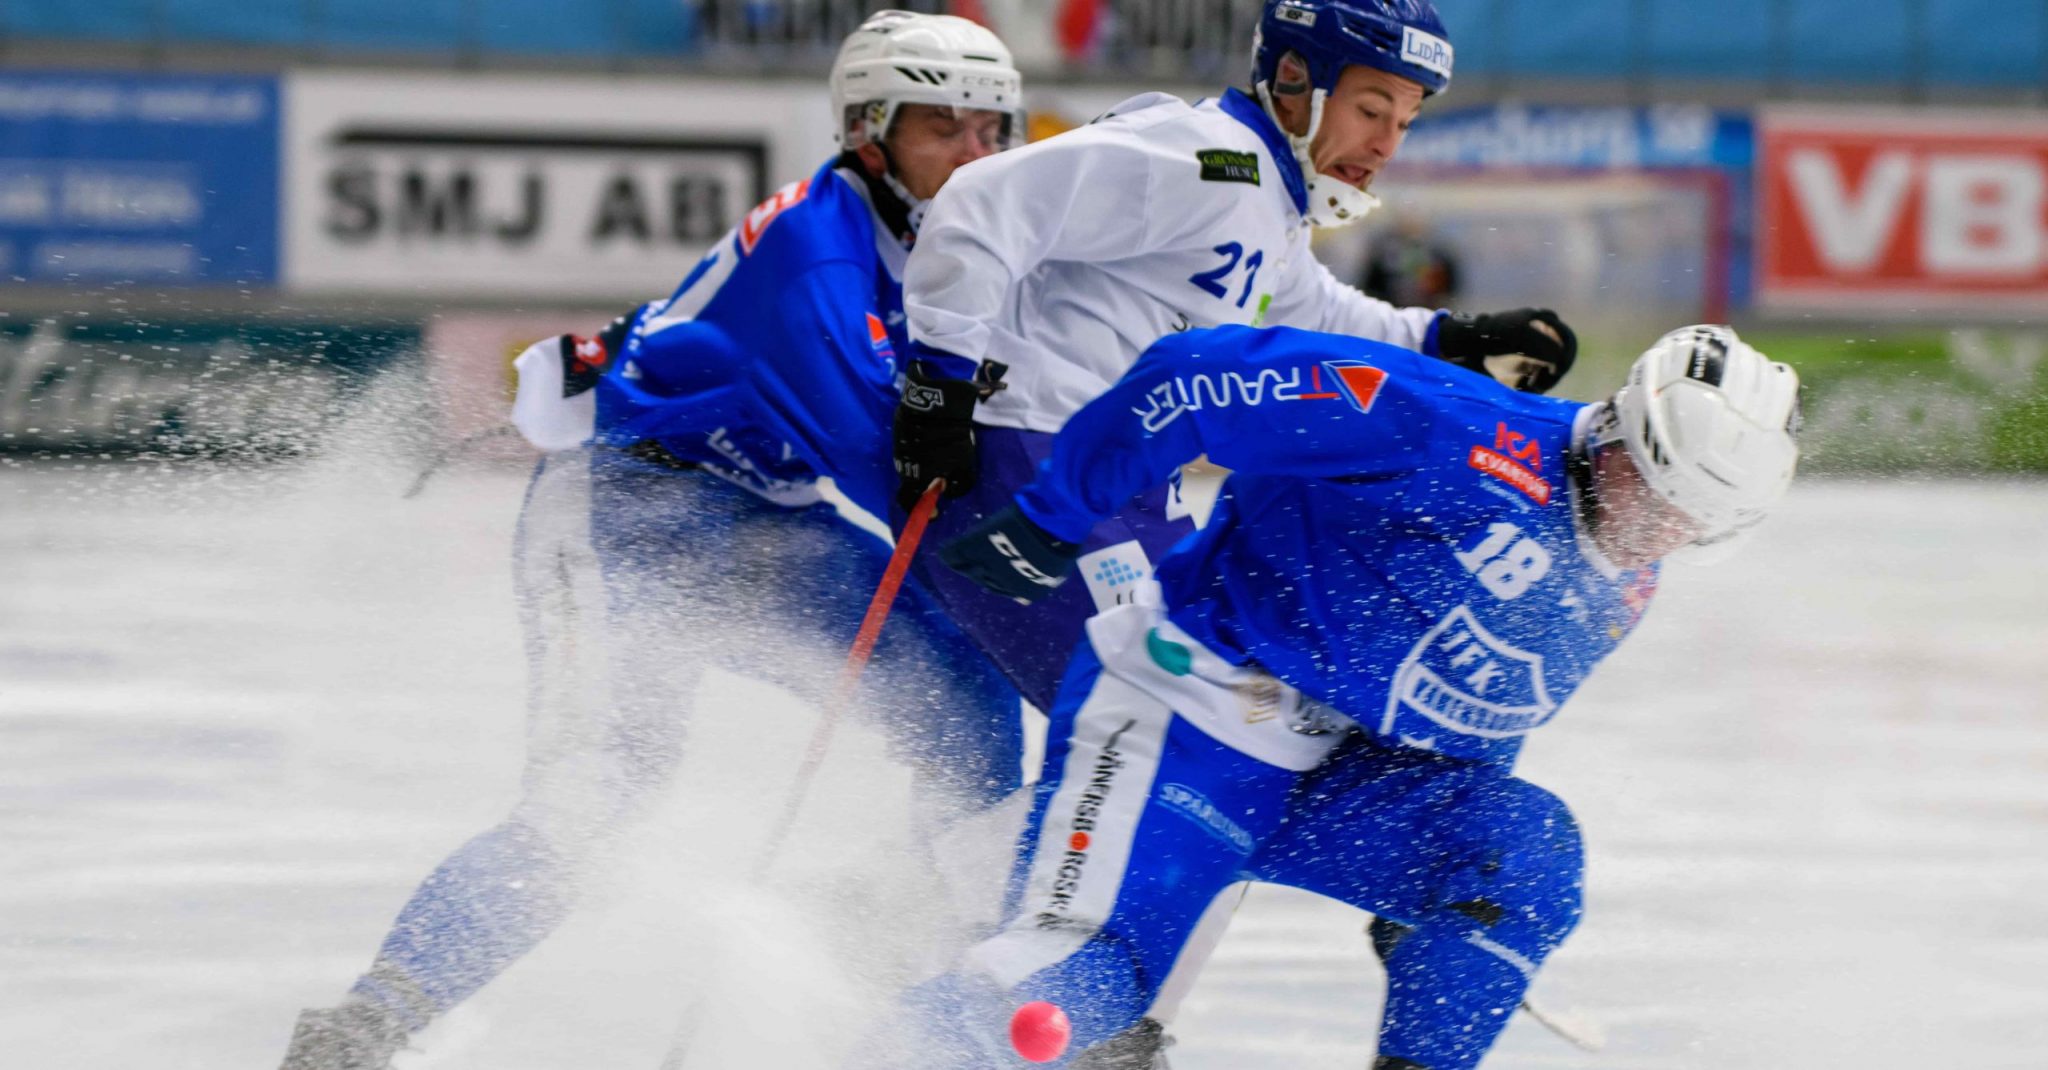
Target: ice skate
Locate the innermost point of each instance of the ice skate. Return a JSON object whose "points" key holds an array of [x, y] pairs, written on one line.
{"points": [[357, 1035], [1141, 1047]]}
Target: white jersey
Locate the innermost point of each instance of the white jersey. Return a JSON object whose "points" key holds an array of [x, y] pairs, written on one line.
{"points": [[1067, 258]]}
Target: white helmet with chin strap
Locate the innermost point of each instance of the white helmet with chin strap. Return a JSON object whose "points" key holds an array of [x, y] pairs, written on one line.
{"points": [[1712, 425], [901, 57]]}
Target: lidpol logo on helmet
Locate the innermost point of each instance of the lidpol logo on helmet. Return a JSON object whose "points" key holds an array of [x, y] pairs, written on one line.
{"points": [[1425, 50]]}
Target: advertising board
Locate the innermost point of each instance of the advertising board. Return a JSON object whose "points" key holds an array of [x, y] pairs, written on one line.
{"points": [[529, 187], [178, 386], [111, 179], [1628, 214], [1911, 213]]}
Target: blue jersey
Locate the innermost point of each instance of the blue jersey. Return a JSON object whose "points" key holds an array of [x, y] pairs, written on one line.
{"points": [[1399, 537], [774, 363]]}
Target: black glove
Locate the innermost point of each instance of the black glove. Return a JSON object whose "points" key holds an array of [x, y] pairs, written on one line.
{"points": [[1008, 554], [1510, 347], [935, 429]]}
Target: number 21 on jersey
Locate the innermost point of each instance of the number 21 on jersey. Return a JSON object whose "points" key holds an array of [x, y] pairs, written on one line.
{"points": [[1506, 562], [1217, 281]]}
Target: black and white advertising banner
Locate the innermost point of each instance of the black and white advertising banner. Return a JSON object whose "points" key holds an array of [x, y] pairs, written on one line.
{"points": [[529, 187]]}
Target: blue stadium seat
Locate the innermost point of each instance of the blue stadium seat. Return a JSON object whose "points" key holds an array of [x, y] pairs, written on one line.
{"points": [[393, 26], [112, 20], [1853, 42], [593, 28], [1847, 41], [1987, 43], [1584, 40], [1722, 41], [237, 24]]}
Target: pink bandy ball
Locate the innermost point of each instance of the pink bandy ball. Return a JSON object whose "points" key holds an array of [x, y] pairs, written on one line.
{"points": [[1040, 1031]]}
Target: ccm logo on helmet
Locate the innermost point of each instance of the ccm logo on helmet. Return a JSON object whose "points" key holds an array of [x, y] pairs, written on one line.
{"points": [[1426, 50], [978, 80]]}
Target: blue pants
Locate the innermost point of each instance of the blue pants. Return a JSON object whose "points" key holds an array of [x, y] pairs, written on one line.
{"points": [[634, 579], [1145, 814], [1032, 644]]}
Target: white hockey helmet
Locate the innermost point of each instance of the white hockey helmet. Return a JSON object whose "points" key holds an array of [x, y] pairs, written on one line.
{"points": [[901, 57], [1712, 425]]}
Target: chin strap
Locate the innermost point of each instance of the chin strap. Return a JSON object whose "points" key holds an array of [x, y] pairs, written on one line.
{"points": [[893, 201], [1603, 428], [1332, 202], [1578, 466], [915, 206]]}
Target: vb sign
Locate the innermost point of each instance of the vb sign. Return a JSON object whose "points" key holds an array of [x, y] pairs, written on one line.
{"points": [[1902, 212]]}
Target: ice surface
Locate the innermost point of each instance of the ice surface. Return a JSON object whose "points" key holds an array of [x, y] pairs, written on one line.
{"points": [[241, 716]]}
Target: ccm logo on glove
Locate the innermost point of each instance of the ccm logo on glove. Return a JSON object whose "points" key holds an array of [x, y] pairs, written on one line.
{"points": [[1010, 555], [1024, 568]]}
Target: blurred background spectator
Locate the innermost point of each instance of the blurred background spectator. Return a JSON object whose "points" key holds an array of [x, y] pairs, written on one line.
{"points": [[1406, 265]]}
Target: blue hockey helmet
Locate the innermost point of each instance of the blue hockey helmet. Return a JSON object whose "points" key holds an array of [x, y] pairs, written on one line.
{"points": [[1402, 37]]}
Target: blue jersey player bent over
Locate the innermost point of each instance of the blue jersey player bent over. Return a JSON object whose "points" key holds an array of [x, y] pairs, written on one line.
{"points": [[682, 522], [1410, 569]]}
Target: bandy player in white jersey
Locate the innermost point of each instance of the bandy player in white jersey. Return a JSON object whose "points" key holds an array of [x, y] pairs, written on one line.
{"points": [[1040, 275]]}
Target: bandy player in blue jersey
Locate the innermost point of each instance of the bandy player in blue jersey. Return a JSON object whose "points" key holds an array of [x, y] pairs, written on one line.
{"points": [[1411, 568], [683, 520]]}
